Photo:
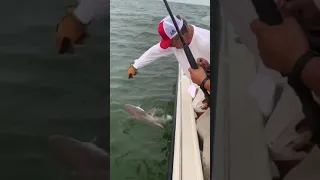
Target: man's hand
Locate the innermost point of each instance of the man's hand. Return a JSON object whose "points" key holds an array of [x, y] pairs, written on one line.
{"points": [[203, 63], [132, 71], [70, 28], [303, 141], [280, 46], [197, 75], [305, 9]]}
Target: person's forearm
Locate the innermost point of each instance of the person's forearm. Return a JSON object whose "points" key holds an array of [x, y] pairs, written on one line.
{"points": [[89, 10], [151, 55], [207, 85], [311, 75]]}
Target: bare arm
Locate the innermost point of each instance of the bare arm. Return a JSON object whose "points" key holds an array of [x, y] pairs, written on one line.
{"points": [[207, 85], [311, 75]]}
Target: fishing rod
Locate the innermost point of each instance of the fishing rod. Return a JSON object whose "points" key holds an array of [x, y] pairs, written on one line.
{"points": [[193, 65], [186, 49], [269, 13]]}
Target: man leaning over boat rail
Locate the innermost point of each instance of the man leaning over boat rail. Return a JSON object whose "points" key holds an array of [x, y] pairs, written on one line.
{"points": [[279, 51], [288, 136], [283, 53], [198, 40]]}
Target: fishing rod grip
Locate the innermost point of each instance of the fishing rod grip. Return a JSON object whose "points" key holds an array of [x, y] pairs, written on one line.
{"points": [[194, 65], [190, 57], [268, 12]]}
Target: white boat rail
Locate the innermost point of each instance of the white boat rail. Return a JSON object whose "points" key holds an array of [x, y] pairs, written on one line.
{"points": [[186, 158]]}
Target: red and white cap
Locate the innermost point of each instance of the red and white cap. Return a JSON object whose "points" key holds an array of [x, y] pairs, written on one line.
{"points": [[167, 31]]}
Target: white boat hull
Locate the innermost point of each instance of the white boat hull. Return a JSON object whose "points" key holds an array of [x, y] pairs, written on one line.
{"points": [[187, 161]]}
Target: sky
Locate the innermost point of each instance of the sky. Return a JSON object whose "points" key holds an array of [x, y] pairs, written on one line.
{"points": [[199, 2]]}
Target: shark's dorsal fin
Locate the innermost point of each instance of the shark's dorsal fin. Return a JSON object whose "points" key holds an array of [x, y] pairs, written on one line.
{"points": [[93, 140], [152, 111]]}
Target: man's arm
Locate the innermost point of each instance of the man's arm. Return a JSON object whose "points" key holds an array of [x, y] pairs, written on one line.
{"points": [[151, 55], [311, 75], [207, 85], [89, 10]]}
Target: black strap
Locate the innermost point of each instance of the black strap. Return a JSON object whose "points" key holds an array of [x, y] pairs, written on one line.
{"points": [[294, 78], [203, 82], [301, 63], [310, 107]]}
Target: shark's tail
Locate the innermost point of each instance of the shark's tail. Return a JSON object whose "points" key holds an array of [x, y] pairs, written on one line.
{"points": [[167, 118], [161, 122]]}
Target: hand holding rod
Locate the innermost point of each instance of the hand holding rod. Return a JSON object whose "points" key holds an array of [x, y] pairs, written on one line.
{"points": [[269, 13], [186, 49]]}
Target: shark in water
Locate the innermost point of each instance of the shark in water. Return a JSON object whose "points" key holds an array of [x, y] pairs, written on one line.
{"points": [[139, 114], [83, 160]]}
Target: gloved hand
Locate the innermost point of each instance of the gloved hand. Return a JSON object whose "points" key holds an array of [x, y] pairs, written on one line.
{"points": [[132, 71], [69, 31]]}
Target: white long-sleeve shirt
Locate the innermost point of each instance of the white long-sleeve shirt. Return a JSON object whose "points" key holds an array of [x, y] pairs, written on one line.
{"points": [[240, 15], [199, 46], [88, 10]]}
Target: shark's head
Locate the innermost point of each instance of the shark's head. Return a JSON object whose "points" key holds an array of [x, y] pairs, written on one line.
{"points": [[84, 159], [139, 114], [134, 111]]}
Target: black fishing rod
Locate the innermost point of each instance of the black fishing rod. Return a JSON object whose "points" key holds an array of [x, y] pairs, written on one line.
{"points": [[193, 65], [187, 50], [269, 13]]}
